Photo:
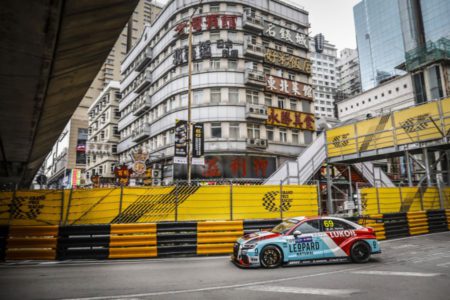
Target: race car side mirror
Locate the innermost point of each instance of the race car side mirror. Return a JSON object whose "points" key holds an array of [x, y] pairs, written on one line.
{"points": [[297, 233]]}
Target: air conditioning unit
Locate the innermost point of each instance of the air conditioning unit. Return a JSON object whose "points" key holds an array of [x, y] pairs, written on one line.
{"points": [[261, 143]]}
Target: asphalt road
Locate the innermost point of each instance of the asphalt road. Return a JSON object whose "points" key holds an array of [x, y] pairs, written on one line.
{"points": [[410, 268]]}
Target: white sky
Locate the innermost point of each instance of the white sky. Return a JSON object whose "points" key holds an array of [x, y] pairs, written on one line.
{"points": [[332, 18]]}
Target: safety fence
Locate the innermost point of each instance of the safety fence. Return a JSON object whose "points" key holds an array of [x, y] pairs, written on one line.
{"points": [[113, 241], [422, 123], [157, 204], [403, 199]]}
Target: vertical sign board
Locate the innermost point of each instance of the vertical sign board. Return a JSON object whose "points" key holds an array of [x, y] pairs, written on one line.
{"points": [[198, 145], [180, 151]]}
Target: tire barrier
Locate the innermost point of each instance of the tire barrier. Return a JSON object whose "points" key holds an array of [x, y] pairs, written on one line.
{"points": [[395, 225], [147, 240], [218, 237], [417, 222], [36, 242], [437, 220], [377, 223], [132, 241]]}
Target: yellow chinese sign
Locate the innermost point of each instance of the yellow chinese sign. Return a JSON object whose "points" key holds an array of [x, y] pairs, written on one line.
{"points": [[290, 119], [287, 60]]}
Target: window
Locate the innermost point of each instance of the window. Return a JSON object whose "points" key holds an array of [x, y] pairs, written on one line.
{"points": [[309, 227], [232, 64], [114, 149], [198, 97], [308, 136], [115, 131], [116, 113], [234, 130], [233, 95], [291, 76], [283, 135], [335, 225], [268, 100], [216, 130], [252, 97], [278, 47], [214, 64], [214, 36], [266, 70], [197, 66], [215, 95], [269, 133], [214, 7], [253, 131], [100, 170], [280, 102], [293, 104], [290, 50], [295, 139]]}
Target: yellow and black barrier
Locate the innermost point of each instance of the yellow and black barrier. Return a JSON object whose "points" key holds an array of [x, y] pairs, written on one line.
{"points": [[32, 243], [147, 240]]}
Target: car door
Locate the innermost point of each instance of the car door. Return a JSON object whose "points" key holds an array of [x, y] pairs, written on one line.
{"points": [[335, 233], [308, 244]]}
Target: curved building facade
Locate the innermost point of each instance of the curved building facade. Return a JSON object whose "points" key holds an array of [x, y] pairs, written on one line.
{"points": [[251, 87]]}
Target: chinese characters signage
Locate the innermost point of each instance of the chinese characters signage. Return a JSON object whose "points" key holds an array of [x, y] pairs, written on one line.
{"points": [[288, 61], [209, 22], [230, 166], [288, 87], [123, 174], [291, 119], [198, 141], [203, 50], [181, 130], [139, 159], [286, 35]]}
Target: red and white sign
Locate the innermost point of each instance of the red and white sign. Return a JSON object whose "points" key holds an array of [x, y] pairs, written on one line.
{"points": [[288, 87], [209, 22]]}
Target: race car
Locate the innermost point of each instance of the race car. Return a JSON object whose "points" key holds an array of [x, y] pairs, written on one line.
{"points": [[304, 240]]}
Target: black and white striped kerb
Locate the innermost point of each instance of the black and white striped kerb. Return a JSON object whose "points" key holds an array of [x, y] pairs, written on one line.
{"points": [[437, 220], [396, 225]]}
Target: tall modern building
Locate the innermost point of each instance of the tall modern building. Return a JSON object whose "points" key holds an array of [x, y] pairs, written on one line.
{"points": [[379, 40], [251, 86], [324, 75], [348, 74], [61, 162]]}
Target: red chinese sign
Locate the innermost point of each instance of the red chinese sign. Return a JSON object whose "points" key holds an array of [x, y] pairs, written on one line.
{"points": [[123, 174], [291, 119], [209, 22], [288, 87]]}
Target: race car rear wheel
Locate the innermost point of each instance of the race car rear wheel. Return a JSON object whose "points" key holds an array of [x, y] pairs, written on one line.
{"points": [[360, 252], [271, 257]]}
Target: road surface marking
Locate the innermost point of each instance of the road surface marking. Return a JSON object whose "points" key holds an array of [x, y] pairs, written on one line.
{"points": [[214, 288], [300, 290], [390, 273]]}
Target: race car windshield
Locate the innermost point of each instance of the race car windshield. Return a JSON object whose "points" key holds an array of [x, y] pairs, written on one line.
{"points": [[284, 226]]}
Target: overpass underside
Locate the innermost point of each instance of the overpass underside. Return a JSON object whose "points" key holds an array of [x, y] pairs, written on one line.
{"points": [[50, 53]]}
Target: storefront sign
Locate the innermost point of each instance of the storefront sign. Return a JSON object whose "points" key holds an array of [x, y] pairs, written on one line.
{"points": [[290, 119], [122, 174], [288, 61], [139, 159], [209, 22], [319, 42], [286, 35], [203, 51], [288, 87], [230, 166], [181, 136]]}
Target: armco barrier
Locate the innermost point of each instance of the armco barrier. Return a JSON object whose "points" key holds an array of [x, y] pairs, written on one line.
{"points": [[377, 223], [84, 241], [218, 237], [35, 242], [176, 238], [395, 225], [417, 222], [145, 240], [437, 220], [132, 241]]}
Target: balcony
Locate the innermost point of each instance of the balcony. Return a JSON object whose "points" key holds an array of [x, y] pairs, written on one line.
{"points": [[141, 105], [253, 22], [253, 50], [257, 143], [143, 59], [142, 81], [254, 77], [256, 111], [141, 133]]}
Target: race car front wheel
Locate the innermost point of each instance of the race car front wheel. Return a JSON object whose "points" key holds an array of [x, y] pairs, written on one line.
{"points": [[271, 257], [360, 252]]}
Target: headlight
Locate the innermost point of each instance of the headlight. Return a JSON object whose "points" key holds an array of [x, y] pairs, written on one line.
{"points": [[249, 246]]}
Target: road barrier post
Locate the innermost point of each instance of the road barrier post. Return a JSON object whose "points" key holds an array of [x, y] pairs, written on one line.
{"points": [[120, 203], [378, 199], [231, 200], [319, 198]]}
